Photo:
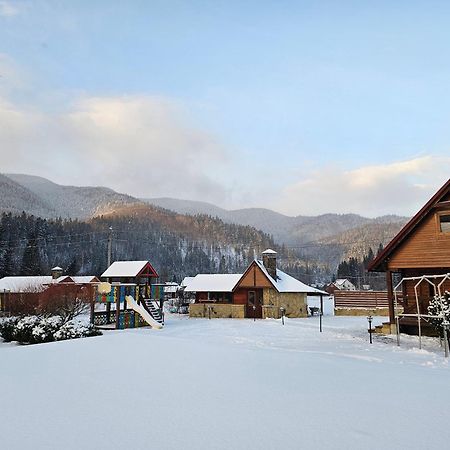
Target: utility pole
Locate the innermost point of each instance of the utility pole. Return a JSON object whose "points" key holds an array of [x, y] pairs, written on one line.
{"points": [[110, 245], [108, 305]]}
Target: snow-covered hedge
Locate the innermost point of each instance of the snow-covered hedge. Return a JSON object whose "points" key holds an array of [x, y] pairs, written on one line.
{"points": [[36, 329]]}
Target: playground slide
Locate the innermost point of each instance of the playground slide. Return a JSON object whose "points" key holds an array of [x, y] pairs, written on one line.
{"points": [[131, 303]]}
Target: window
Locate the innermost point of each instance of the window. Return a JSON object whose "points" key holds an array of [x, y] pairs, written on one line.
{"points": [[444, 222], [220, 297]]}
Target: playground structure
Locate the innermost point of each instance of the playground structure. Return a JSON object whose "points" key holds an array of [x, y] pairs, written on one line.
{"points": [[128, 298]]}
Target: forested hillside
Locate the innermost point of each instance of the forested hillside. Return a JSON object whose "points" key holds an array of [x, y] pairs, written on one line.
{"points": [[31, 245], [211, 240]]}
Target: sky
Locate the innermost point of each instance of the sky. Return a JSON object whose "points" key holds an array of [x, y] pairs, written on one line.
{"points": [[304, 107]]}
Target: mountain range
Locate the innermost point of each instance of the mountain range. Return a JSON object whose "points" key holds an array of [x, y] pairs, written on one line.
{"points": [[326, 238], [293, 231]]}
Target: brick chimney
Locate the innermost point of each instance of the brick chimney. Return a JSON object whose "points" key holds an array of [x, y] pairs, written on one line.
{"points": [[57, 272], [270, 262]]}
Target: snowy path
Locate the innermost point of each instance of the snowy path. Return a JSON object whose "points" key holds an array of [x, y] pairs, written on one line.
{"points": [[226, 384]]}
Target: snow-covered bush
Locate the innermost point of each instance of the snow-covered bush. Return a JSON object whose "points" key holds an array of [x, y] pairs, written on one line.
{"points": [[37, 329], [440, 307], [8, 328], [73, 330], [24, 329], [46, 329]]}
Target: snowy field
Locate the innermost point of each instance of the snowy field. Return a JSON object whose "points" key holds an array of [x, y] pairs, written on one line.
{"points": [[226, 384]]}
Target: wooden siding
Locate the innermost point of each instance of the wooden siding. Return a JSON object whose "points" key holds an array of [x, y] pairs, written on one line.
{"points": [[240, 296], [254, 277], [426, 247]]}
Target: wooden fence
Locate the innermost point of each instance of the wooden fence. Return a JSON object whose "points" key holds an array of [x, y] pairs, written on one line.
{"points": [[361, 299]]}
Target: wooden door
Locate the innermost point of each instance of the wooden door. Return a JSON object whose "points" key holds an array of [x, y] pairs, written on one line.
{"points": [[254, 304]]}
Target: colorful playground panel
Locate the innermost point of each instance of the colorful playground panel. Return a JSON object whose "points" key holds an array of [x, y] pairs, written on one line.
{"points": [[147, 291]]}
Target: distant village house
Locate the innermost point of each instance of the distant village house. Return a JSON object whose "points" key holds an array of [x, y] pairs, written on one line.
{"points": [[341, 284]]}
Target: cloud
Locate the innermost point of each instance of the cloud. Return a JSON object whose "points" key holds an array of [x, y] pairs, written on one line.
{"points": [[398, 187], [8, 9], [141, 145]]}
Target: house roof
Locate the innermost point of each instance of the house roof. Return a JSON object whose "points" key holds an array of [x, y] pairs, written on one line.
{"points": [[217, 282], [379, 263], [286, 283], [171, 287], [228, 282], [85, 279], [186, 281], [25, 284], [40, 283], [125, 269], [269, 251]]}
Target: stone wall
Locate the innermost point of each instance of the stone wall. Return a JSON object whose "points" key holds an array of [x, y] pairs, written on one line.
{"points": [[294, 304], [218, 310], [361, 311]]}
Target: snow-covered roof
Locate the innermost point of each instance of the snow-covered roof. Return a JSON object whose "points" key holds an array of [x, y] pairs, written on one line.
{"points": [[342, 282], [269, 251], [124, 269], [286, 283], [39, 283], [186, 281], [57, 268], [25, 284], [227, 282], [170, 287], [84, 279], [213, 282]]}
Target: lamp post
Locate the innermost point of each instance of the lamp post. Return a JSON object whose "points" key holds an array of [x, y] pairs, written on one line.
{"points": [[370, 318], [254, 313], [282, 310]]}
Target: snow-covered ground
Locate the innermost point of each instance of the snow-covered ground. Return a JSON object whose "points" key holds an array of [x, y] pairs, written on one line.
{"points": [[226, 384]]}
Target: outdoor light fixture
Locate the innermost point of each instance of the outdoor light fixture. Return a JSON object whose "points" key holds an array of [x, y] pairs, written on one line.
{"points": [[370, 330]]}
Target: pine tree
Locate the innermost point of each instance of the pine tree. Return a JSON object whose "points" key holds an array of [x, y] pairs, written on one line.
{"points": [[31, 260]]}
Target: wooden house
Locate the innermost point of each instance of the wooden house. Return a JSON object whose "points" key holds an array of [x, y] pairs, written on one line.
{"points": [[421, 248], [341, 284], [26, 294], [262, 291]]}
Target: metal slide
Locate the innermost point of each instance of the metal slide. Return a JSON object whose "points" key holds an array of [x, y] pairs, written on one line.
{"points": [[131, 303]]}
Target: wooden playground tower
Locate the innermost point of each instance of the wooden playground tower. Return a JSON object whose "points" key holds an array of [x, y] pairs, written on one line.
{"points": [[129, 296]]}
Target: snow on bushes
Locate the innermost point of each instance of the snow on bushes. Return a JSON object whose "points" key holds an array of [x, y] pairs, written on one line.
{"points": [[440, 308], [37, 329], [73, 330]]}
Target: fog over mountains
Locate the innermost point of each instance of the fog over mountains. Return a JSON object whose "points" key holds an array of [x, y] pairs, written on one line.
{"points": [[326, 238]]}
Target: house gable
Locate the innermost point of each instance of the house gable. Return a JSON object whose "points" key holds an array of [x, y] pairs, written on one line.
{"points": [[254, 277], [421, 243]]}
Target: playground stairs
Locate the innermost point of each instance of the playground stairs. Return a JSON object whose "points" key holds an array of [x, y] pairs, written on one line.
{"points": [[153, 310]]}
